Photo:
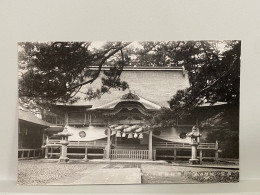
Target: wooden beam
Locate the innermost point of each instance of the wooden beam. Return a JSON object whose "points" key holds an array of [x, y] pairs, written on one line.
{"points": [[175, 153], [86, 154], [201, 155], [216, 151]]}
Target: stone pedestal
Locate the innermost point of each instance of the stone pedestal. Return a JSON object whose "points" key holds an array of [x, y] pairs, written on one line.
{"points": [[64, 144], [194, 160], [63, 159]]}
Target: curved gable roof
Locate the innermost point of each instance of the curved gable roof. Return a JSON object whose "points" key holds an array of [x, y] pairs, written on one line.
{"points": [[146, 103]]}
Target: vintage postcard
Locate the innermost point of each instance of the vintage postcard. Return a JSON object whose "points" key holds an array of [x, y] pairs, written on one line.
{"points": [[128, 112]]}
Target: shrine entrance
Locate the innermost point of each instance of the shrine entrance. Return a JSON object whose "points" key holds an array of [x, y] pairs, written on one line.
{"points": [[129, 142], [129, 136], [125, 142]]}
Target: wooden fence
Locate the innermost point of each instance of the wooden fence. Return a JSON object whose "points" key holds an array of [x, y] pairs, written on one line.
{"points": [[202, 149], [124, 151], [29, 153]]}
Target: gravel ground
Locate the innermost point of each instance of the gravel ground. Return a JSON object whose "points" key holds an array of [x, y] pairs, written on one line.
{"points": [[179, 174], [42, 172], [37, 172]]}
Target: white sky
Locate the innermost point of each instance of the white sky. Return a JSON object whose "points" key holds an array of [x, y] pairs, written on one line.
{"points": [[99, 44], [136, 44]]}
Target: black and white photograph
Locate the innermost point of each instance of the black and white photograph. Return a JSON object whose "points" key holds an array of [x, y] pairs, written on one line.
{"points": [[128, 112]]}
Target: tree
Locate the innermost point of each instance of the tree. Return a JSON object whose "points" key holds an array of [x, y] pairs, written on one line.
{"points": [[215, 78], [56, 71], [213, 68]]}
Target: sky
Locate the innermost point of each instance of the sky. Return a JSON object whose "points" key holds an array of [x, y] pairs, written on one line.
{"points": [[136, 44], [99, 44]]}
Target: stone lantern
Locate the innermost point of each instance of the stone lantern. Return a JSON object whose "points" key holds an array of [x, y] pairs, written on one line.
{"points": [[64, 144], [194, 135]]}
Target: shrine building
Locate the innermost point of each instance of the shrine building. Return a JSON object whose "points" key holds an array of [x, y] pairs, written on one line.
{"points": [[115, 126]]}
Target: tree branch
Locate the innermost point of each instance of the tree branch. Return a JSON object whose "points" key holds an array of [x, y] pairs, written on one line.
{"points": [[99, 68]]}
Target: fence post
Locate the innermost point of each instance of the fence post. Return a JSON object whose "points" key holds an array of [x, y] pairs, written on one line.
{"points": [[51, 152], [216, 151], [150, 151], [40, 153], [108, 143], [154, 155], [201, 155], [175, 153], [86, 154], [46, 151], [104, 156]]}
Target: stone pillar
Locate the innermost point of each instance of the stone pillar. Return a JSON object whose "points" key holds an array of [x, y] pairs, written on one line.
{"points": [[108, 143], [150, 152]]}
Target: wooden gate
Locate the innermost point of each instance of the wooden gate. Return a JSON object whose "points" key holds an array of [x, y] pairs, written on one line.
{"points": [[130, 154]]}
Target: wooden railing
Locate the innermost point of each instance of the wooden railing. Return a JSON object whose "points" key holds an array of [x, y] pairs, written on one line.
{"points": [[77, 143], [185, 145], [129, 154], [123, 151], [29, 153], [55, 151], [156, 145]]}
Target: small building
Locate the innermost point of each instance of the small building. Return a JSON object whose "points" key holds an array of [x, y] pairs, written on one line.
{"points": [[30, 134]]}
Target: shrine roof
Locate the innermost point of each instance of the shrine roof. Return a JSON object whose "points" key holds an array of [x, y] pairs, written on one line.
{"points": [[154, 86]]}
